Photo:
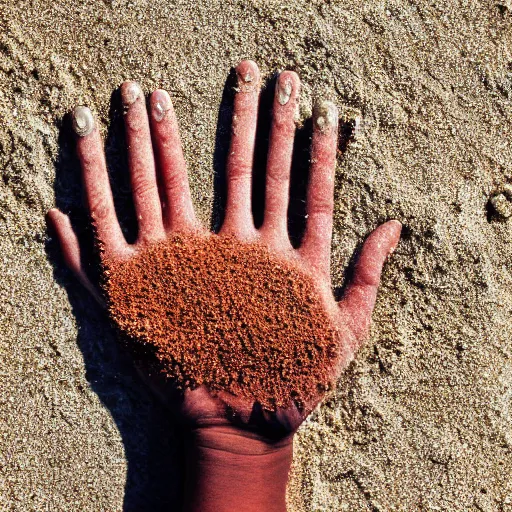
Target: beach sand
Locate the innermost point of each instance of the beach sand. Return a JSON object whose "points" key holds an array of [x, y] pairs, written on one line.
{"points": [[422, 419]]}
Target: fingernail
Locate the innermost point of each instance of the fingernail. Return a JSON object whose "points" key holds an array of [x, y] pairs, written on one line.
{"points": [[325, 115], [245, 81], [247, 77], [161, 105], [130, 93], [83, 121], [284, 90]]}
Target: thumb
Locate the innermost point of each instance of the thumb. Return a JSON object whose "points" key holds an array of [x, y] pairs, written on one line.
{"points": [[358, 300]]}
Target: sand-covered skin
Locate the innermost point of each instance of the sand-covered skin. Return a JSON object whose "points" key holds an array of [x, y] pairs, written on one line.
{"points": [[421, 420], [234, 317]]}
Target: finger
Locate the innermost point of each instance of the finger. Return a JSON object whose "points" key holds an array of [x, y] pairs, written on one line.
{"points": [[280, 154], [70, 248], [142, 164], [359, 298], [238, 218], [316, 244], [178, 211], [96, 183]]}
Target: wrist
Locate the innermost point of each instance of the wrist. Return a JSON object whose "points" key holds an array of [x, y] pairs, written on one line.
{"points": [[229, 469]]}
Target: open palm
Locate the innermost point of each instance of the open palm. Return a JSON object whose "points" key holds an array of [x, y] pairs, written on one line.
{"points": [[154, 150]]}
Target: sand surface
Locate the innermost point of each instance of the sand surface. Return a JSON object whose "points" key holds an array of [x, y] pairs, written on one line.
{"points": [[422, 420]]}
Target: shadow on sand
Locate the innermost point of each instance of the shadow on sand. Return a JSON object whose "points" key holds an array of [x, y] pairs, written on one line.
{"points": [[152, 442]]}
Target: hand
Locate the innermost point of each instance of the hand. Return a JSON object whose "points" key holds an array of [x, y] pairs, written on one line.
{"points": [[211, 416]]}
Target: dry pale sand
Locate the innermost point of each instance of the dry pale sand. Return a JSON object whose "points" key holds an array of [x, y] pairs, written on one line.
{"points": [[422, 420]]}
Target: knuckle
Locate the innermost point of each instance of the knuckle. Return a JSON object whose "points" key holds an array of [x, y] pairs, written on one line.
{"points": [[174, 183], [135, 123], [320, 204], [240, 170], [277, 178], [142, 185], [100, 208], [367, 281], [283, 124], [320, 208]]}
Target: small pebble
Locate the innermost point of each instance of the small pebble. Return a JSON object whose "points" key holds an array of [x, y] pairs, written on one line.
{"points": [[502, 205]]}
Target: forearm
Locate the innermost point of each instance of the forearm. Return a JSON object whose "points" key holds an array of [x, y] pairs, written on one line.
{"points": [[229, 470]]}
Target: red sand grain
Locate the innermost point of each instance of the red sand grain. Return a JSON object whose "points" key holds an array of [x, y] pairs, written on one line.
{"points": [[231, 316]]}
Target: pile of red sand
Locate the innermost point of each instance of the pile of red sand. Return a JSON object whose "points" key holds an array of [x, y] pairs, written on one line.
{"points": [[228, 315]]}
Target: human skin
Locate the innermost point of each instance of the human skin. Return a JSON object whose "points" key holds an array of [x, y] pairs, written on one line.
{"points": [[239, 455]]}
